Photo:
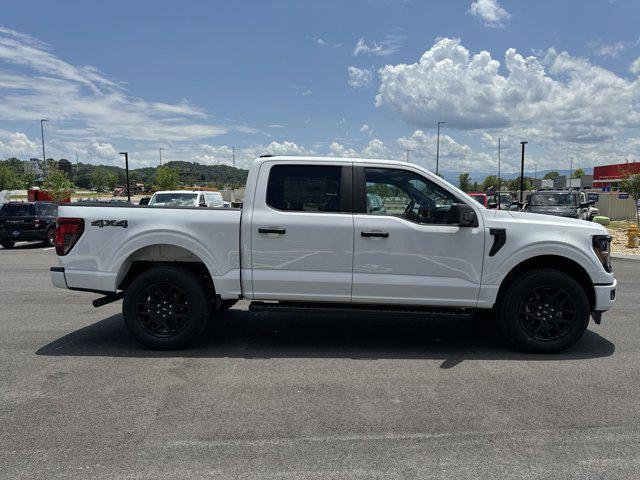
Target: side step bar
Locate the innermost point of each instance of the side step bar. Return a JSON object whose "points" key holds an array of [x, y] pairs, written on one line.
{"points": [[341, 309]]}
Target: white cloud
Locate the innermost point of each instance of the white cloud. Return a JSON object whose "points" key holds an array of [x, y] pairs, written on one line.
{"points": [[573, 101], [612, 50], [338, 150], [390, 44], [453, 155], [359, 77], [635, 66], [320, 41], [366, 129], [490, 12], [84, 105], [17, 144]]}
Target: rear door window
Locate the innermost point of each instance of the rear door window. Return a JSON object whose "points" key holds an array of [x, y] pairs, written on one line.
{"points": [[306, 188]]}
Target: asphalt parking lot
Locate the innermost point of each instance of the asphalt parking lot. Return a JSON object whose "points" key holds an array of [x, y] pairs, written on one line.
{"points": [[275, 396]]}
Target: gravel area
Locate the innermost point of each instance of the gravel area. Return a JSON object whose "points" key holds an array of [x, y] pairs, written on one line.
{"points": [[619, 240]]}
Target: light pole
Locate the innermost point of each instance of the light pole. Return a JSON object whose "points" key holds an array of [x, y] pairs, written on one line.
{"points": [[499, 180], [126, 170], [160, 150], [438, 147], [570, 173], [522, 171], [233, 156], [408, 152], [44, 156]]}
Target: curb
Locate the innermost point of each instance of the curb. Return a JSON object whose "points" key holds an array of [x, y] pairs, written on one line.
{"points": [[625, 256]]}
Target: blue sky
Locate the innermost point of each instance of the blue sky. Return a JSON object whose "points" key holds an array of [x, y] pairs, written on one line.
{"points": [[327, 78]]}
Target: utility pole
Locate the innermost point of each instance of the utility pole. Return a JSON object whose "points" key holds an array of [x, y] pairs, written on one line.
{"points": [[44, 156], [126, 169], [522, 172], [499, 179], [161, 155], [438, 147], [233, 153], [571, 173], [408, 152]]}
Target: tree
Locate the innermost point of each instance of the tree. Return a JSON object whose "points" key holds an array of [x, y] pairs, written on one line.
{"points": [[26, 179], [552, 175], [578, 173], [631, 185], [99, 179], [491, 183], [167, 178], [57, 184], [464, 181], [514, 184], [112, 180], [8, 178], [475, 187]]}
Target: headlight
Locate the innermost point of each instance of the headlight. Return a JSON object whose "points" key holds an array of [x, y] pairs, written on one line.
{"points": [[602, 247]]}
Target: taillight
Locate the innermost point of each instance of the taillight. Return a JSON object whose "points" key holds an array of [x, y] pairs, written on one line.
{"points": [[68, 233]]}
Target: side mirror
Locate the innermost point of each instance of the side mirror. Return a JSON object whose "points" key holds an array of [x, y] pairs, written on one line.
{"points": [[462, 215], [584, 204]]}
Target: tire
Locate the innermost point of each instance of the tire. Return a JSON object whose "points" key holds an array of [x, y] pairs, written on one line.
{"points": [[544, 311], [227, 304], [7, 244], [50, 237], [166, 307]]}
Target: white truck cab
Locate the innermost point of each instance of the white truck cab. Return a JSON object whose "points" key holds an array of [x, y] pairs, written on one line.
{"points": [[308, 237]]}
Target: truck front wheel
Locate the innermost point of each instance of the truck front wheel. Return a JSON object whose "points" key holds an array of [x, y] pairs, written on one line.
{"points": [[166, 307], [544, 311]]}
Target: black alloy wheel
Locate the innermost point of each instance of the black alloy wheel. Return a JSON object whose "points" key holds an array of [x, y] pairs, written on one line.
{"points": [[547, 313], [166, 307], [163, 310], [544, 311]]}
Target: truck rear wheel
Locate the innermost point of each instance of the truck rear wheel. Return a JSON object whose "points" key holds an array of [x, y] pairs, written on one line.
{"points": [[544, 311], [166, 307]]}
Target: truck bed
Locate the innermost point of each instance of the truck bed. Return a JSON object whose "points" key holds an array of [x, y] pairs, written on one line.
{"points": [[115, 233]]}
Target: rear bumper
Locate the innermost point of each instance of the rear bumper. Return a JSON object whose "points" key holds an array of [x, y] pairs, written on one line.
{"points": [[605, 296], [57, 277]]}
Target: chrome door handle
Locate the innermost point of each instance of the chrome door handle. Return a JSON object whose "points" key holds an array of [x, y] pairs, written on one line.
{"points": [[375, 234], [278, 230]]}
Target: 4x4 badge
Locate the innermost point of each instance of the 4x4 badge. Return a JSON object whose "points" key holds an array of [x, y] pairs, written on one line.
{"points": [[110, 223]]}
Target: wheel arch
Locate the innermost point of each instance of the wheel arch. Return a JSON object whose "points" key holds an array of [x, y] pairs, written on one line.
{"points": [[556, 262], [156, 255]]}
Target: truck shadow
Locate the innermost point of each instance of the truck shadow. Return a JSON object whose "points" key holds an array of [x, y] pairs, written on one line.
{"points": [[243, 334]]}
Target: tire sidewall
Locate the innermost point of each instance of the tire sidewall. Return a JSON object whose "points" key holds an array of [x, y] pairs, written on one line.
{"points": [[196, 295], [509, 311], [48, 241]]}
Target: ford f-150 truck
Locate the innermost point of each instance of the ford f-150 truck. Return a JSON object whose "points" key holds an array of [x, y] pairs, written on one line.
{"points": [[305, 239]]}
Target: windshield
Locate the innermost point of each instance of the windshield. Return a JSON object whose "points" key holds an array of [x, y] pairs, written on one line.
{"points": [[17, 210], [176, 199], [552, 200], [478, 198]]}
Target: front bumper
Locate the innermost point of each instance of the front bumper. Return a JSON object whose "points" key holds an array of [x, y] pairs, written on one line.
{"points": [[605, 296], [57, 277]]}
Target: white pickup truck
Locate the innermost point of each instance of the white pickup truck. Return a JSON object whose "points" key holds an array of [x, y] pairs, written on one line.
{"points": [[308, 238]]}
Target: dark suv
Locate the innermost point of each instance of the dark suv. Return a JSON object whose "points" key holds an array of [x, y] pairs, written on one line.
{"points": [[28, 222]]}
